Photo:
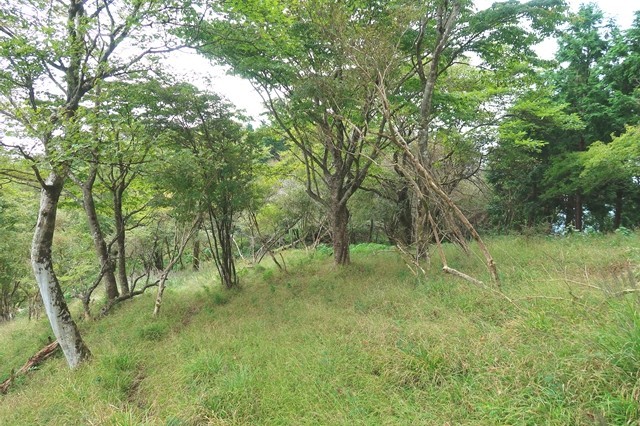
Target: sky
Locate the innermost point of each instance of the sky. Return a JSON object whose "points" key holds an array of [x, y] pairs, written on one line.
{"points": [[620, 10], [240, 92]]}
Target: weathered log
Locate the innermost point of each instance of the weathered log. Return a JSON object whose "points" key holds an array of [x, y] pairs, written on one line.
{"points": [[35, 360]]}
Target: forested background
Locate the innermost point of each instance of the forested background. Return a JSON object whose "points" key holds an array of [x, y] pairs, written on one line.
{"points": [[402, 123]]}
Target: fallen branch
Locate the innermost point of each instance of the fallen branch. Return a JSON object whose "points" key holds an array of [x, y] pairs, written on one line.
{"points": [[463, 276], [35, 360], [410, 260]]}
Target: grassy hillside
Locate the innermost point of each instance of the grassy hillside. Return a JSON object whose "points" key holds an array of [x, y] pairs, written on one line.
{"points": [[366, 344]]}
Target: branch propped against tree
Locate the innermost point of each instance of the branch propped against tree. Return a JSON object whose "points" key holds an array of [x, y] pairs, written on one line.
{"points": [[428, 188]]}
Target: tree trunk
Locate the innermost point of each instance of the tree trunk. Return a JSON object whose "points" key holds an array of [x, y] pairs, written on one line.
{"points": [[120, 241], [88, 203], [221, 247], [405, 217], [64, 328], [579, 210], [160, 293], [107, 266], [340, 233], [196, 253], [176, 254], [617, 218]]}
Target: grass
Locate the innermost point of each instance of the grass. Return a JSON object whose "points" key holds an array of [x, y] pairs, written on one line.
{"points": [[365, 344]]}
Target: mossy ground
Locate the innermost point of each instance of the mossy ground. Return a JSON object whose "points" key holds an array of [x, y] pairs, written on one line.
{"points": [[365, 344]]}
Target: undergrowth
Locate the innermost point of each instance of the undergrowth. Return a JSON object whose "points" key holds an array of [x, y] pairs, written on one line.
{"points": [[369, 343]]}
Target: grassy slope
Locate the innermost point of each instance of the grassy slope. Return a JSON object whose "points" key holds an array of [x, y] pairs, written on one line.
{"points": [[367, 344]]}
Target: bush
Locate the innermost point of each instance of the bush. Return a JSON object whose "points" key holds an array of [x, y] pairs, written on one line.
{"points": [[368, 248]]}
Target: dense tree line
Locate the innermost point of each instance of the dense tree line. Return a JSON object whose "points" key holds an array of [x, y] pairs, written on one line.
{"points": [[560, 159], [401, 122]]}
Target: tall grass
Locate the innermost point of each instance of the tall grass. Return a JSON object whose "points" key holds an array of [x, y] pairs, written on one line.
{"points": [[366, 344]]}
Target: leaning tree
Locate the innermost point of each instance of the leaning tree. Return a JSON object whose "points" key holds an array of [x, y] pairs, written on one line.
{"points": [[52, 54]]}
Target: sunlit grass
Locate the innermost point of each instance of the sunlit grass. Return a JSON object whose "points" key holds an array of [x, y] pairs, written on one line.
{"points": [[365, 344]]}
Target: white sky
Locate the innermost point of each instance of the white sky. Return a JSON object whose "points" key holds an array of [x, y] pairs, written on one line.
{"points": [[239, 92], [620, 10], [199, 71]]}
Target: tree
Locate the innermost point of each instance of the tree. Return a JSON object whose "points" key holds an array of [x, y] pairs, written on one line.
{"points": [[518, 164], [126, 152], [595, 83], [442, 33], [86, 179], [211, 168], [52, 55], [117, 149], [537, 169], [307, 62], [620, 108], [15, 214], [615, 166], [581, 49]]}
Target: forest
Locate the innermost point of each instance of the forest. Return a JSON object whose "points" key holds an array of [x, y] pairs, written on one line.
{"points": [[425, 146]]}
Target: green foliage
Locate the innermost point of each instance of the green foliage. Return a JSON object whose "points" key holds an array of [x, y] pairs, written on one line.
{"points": [[324, 250], [524, 183], [318, 65], [17, 205], [369, 248], [73, 252], [217, 144], [540, 170], [286, 205], [613, 163], [534, 118]]}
